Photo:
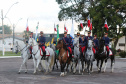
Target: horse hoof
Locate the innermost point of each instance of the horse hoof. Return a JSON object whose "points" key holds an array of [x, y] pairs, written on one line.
{"points": [[82, 74], [34, 73], [89, 73], [25, 71], [18, 72]]}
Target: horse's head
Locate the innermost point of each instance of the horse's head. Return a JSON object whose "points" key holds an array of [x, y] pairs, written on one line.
{"points": [[16, 47], [59, 44], [76, 41], [52, 46], [90, 43], [101, 44]]}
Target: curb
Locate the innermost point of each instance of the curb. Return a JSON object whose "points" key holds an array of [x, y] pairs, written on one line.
{"points": [[9, 56]]}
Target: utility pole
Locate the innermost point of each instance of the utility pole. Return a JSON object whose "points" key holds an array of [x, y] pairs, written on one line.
{"points": [[13, 33], [2, 30]]}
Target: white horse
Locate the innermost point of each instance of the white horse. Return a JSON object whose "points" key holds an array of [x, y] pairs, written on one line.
{"points": [[25, 53], [76, 55], [89, 55], [49, 62]]}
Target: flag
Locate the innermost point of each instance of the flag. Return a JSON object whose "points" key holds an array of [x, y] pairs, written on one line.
{"points": [[57, 51], [81, 25], [36, 31], [55, 29], [72, 31], [52, 40], [65, 28], [88, 22], [57, 32], [106, 25], [91, 25], [27, 28]]}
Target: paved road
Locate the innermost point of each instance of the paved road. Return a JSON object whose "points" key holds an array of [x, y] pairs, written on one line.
{"points": [[9, 68]]}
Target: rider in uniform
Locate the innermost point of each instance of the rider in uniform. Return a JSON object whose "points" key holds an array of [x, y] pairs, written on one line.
{"points": [[30, 48], [66, 40], [106, 39], [86, 41], [96, 42], [71, 44], [42, 43]]}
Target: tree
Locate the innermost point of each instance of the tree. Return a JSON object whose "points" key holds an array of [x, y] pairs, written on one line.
{"points": [[7, 29], [100, 10]]}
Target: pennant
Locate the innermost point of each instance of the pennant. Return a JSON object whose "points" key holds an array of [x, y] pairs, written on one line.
{"points": [[65, 28], [106, 25], [36, 31], [88, 22], [91, 25], [27, 28], [55, 29]]}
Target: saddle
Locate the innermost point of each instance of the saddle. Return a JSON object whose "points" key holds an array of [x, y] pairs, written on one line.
{"points": [[47, 53]]}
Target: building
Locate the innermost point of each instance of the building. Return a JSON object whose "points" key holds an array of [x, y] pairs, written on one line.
{"points": [[121, 43]]}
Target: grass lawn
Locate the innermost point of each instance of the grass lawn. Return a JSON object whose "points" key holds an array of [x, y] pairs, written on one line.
{"points": [[9, 53]]}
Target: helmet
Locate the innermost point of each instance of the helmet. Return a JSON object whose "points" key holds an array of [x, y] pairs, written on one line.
{"points": [[41, 32], [95, 35]]}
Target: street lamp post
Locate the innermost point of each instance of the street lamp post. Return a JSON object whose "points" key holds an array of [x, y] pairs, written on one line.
{"points": [[14, 26], [3, 26]]}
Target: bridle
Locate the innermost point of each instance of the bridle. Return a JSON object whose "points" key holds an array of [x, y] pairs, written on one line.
{"points": [[20, 47]]}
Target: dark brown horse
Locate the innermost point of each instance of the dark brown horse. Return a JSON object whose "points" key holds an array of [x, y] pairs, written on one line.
{"points": [[102, 56], [63, 58]]}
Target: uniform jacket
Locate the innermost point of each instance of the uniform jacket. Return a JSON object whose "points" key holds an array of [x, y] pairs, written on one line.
{"points": [[42, 40], [106, 41]]}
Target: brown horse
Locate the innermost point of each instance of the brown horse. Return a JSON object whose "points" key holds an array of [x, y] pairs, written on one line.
{"points": [[63, 58]]}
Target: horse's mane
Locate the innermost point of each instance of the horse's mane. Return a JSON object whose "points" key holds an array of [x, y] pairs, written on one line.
{"points": [[64, 46]]}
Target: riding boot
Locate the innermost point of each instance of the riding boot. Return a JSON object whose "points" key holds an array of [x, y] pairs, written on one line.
{"points": [[107, 54], [44, 55]]}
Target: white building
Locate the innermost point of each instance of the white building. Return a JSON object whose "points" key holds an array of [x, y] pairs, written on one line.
{"points": [[8, 41], [121, 43]]}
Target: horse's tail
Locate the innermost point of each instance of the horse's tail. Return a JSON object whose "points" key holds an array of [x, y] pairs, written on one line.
{"points": [[52, 60]]}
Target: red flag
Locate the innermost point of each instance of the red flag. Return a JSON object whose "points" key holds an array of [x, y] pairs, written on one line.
{"points": [[55, 28], [27, 28], [106, 25], [91, 25], [88, 21], [81, 25], [65, 28]]}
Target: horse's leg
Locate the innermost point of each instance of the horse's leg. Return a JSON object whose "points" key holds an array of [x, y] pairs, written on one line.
{"points": [[91, 66], [79, 63], [74, 66], [112, 63], [82, 63], [105, 65], [88, 66], [101, 65], [98, 65], [26, 67], [24, 60], [34, 61], [62, 69], [56, 62], [38, 62]]}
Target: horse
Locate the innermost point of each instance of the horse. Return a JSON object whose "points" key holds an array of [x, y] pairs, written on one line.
{"points": [[76, 59], [37, 53], [102, 55], [56, 58], [63, 58], [25, 53], [89, 56]]}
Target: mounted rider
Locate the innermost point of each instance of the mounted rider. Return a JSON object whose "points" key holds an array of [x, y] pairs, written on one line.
{"points": [[42, 41], [106, 39], [30, 48], [86, 41], [96, 42], [67, 42]]}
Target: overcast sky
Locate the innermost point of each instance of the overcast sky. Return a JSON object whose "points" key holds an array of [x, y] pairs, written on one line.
{"points": [[44, 11]]}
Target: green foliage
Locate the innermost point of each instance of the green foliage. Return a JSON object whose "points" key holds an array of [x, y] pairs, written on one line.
{"points": [[122, 54], [7, 29], [100, 10]]}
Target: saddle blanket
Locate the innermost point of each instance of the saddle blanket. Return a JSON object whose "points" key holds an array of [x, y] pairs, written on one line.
{"points": [[110, 52], [47, 52], [69, 54]]}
